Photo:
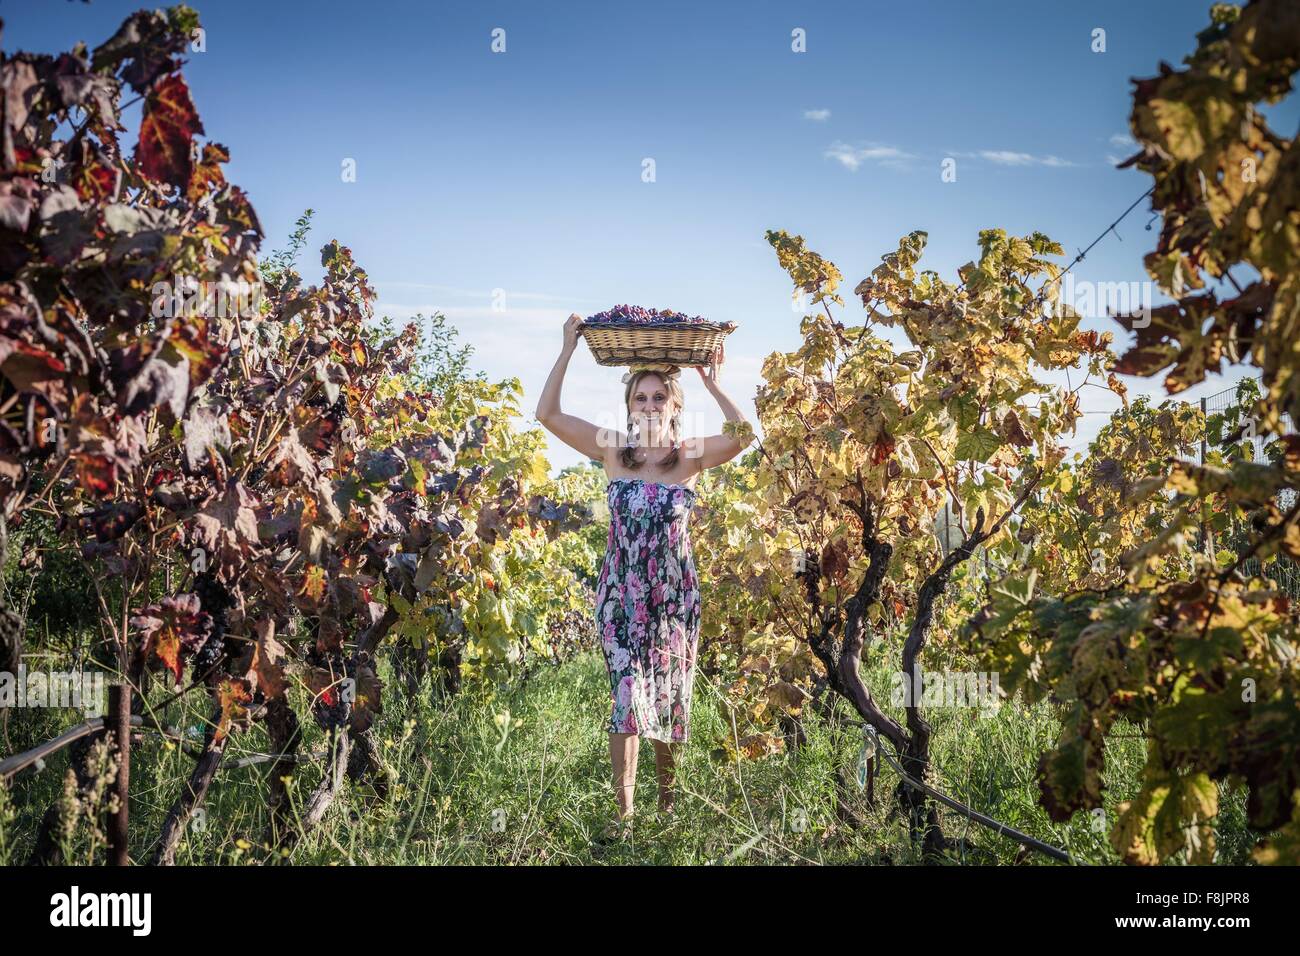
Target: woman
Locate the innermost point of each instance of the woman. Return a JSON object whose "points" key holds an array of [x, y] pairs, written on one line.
{"points": [[647, 599]]}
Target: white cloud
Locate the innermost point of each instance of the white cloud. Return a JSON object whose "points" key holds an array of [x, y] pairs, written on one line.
{"points": [[817, 115], [1007, 157], [1004, 157], [852, 157], [481, 294], [1121, 141]]}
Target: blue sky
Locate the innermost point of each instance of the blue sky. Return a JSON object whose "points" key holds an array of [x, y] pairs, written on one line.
{"points": [[522, 171]]}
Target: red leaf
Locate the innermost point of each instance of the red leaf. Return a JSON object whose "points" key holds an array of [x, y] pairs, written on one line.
{"points": [[174, 627], [95, 182], [96, 473], [167, 133], [233, 696], [882, 449], [207, 174]]}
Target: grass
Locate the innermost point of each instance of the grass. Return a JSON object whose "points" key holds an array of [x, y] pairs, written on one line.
{"points": [[466, 791]]}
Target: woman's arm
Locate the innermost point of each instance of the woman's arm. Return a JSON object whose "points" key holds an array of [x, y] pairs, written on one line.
{"points": [[573, 431], [717, 449]]}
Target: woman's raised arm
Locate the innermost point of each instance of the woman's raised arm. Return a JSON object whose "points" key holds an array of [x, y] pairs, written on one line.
{"points": [[575, 432], [715, 450]]}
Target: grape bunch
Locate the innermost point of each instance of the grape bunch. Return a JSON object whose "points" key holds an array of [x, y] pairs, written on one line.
{"points": [[331, 710], [11, 640], [808, 569], [336, 411], [209, 654], [569, 633], [637, 315], [215, 601]]}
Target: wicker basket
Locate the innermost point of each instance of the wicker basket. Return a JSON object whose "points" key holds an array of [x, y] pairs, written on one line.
{"points": [[675, 343]]}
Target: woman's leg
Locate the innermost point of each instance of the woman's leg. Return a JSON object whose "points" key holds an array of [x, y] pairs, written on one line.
{"points": [[623, 752], [664, 770]]}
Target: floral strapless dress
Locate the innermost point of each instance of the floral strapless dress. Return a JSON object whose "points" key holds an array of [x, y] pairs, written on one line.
{"points": [[648, 608]]}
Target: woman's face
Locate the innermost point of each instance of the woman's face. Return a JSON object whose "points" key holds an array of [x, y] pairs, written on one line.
{"points": [[652, 408]]}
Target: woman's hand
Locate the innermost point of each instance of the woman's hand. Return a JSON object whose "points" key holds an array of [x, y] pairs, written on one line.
{"points": [[571, 332], [711, 378]]}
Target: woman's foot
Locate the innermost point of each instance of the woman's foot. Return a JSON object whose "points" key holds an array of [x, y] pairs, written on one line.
{"points": [[615, 831], [667, 806]]}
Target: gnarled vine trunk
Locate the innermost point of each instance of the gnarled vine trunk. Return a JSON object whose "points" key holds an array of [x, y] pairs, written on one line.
{"points": [[196, 788], [842, 659]]}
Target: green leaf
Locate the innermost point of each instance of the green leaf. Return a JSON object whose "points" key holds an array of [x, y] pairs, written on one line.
{"points": [[978, 444], [1021, 590]]}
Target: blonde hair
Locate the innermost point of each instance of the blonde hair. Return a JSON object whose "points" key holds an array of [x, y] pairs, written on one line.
{"points": [[674, 389]]}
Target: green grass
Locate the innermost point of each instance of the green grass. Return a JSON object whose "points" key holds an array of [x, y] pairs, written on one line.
{"points": [[461, 793]]}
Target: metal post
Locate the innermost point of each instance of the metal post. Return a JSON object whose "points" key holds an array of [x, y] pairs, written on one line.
{"points": [[1207, 546]]}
